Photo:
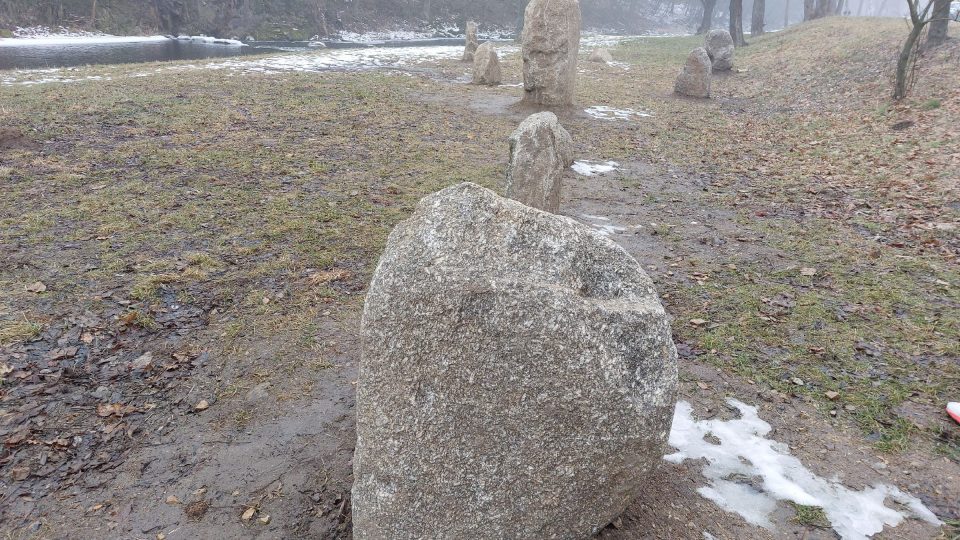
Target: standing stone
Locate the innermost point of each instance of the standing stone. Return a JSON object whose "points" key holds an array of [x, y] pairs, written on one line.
{"points": [[540, 150], [719, 45], [486, 65], [471, 47], [601, 55], [550, 43], [518, 377], [694, 79]]}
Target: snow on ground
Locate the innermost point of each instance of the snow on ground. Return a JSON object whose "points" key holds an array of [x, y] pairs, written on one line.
{"points": [[603, 225], [602, 112], [212, 40], [57, 40], [739, 449], [591, 168]]}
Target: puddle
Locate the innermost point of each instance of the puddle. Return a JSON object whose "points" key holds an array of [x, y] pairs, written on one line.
{"points": [[739, 449], [592, 168], [602, 112]]}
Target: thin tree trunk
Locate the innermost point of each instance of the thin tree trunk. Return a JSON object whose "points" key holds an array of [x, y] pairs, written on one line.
{"points": [[937, 34], [786, 14], [809, 9], [736, 22], [93, 16], [907, 55], [860, 8], [707, 21], [756, 22]]}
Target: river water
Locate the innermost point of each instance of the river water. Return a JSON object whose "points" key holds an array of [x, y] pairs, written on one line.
{"points": [[68, 52]]}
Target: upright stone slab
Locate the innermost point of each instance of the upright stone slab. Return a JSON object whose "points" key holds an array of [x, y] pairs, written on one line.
{"points": [[550, 43], [694, 78], [601, 55], [540, 150], [486, 65], [720, 49], [471, 47], [518, 376]]}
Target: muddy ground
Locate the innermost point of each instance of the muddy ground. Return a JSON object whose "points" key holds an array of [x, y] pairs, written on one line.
{"points": [[184, 259]]}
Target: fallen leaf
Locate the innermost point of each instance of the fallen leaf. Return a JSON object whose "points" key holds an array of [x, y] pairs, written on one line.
{"points": [[5, 370], [265, 520], [20, 473], [831, 395], [172, 499], [328, 276], [37, 287], [808, 271], [143, 362], [202, 405], [698, 322], [115, 409], [248, 513]]}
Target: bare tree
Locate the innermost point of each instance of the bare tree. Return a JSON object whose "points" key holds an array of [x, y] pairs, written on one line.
{"points": [[756, 22], [736, 22], [786, 14], [908, 54], [707, 20], [937, 34]]}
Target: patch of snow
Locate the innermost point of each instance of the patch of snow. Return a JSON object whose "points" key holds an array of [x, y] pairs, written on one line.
{"points": [[212, 41], [602, 112], [380, 37], [744, 451], [58, 40], [590, 168], [605, 227]]}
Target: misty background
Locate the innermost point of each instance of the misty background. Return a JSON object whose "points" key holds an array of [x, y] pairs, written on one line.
{"points": [[304, 19]]}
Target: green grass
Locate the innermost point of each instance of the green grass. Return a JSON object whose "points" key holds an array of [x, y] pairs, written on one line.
{"points": [[810, 516], [207, 188]]}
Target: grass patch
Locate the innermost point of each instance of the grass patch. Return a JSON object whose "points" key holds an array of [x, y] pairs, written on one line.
{"points": [[810, 516]]}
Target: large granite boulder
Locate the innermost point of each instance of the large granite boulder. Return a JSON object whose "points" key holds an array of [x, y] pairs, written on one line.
{"points": [[601, 55], [486, 65], [720, 48], [540, 150], [517, 378], [550, 43], [471, 47], [694, 78]]}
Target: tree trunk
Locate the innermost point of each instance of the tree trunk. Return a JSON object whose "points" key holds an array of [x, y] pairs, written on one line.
{"points": [[860, 8], [756, 22], [736, 22], [93, 16], [937, 34], [786, 15], [707, 20], [809, 10]]}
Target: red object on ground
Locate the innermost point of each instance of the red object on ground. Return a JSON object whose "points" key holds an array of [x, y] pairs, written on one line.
{"points": [[953, 409]]}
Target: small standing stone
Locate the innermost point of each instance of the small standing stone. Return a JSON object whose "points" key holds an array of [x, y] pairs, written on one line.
{"points": [[540, 150], [719, 45], [471, 46], [694, 79], [601, 55], [486, 65], [517, 378], [550, 43]]}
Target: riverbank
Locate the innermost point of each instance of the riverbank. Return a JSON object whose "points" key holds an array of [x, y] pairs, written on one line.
{"points": [[185, 251]]}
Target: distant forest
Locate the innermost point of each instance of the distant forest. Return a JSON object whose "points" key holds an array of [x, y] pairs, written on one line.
{"points": [[302, 19]]}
